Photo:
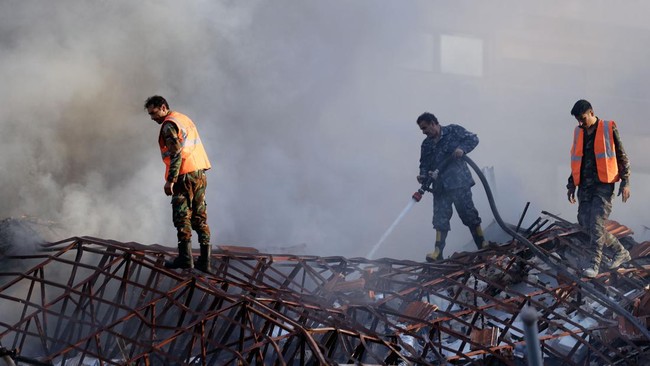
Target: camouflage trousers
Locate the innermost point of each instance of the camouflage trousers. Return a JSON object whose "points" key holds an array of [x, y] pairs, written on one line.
{"points": [[594, 207], [189, 209], [461, 198]]}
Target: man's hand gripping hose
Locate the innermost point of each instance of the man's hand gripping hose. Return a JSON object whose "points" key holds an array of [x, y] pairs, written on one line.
{"points": [[428, 181]]}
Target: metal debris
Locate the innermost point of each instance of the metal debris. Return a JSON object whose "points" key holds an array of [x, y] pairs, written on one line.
{"points": [[85, 300]]}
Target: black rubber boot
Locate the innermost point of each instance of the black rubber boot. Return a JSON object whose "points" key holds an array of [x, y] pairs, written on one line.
{"points": [[479, 239], [441, 237], [435, 255], [184, 259], [203, 263]]}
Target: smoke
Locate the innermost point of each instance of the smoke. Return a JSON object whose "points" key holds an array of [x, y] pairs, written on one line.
{"points": [[307, 110]]}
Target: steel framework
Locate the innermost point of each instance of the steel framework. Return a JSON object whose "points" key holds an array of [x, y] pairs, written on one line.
{"points": [[86, 300]]}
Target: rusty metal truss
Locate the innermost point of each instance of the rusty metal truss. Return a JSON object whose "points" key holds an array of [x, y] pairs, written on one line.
{"points": [[85, 300]]}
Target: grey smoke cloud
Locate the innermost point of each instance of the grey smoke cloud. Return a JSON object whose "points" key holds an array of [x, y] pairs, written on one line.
{"points": [[307, 110]]}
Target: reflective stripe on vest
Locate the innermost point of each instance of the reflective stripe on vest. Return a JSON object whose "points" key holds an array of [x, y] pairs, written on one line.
{"points": [[184, 143], [604, 150], [193, 156], [609, 142]]}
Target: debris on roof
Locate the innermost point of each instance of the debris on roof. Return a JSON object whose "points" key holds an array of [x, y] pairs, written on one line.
{"points": [[84, 300]]}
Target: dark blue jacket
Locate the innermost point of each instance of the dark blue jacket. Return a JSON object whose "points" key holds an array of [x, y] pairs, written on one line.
{"points": [[432, 154]]}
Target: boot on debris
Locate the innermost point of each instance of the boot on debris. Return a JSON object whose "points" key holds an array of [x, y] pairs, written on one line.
{"points": [[441, 237], [591, 271], [621, 257], [184, 258], [203, 263], [435, 255]]}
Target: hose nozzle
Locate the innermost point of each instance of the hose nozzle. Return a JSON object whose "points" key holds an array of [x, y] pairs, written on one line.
{"points": [[417, 196]]}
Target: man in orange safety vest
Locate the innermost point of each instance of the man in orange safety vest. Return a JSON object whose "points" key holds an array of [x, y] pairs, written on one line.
{"points": [[598, 160], [185, 164]]}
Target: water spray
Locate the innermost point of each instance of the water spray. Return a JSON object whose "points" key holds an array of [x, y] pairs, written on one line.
{"points": [[399, 218], [428, 185]]}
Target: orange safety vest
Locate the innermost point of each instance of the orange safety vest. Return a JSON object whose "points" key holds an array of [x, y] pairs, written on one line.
{"points": [[604, 149], [193, 156]]}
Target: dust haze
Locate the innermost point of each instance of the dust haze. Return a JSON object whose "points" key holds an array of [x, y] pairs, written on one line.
{"points": [[307, 110]]}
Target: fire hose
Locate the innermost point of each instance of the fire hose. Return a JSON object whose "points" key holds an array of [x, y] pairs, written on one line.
{"points": [[429, 181], [585, 286]]}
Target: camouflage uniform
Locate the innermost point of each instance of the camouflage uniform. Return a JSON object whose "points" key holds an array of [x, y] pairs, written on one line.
{"points": [[595, 198], [189, 209], [454, 183]]}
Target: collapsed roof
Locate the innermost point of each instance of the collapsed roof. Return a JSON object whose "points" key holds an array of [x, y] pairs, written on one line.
{"points": [[87, 301]]}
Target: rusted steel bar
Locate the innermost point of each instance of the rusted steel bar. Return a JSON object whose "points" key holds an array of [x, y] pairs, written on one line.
{"points": [[304, 308]]}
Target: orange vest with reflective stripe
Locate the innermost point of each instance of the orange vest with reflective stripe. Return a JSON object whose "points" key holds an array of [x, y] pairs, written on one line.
{"points": [[193, 156], [604, 149]]}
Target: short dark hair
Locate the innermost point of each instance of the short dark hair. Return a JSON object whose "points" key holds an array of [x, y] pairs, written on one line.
{"points": [[581, 107], [428, 118], [156, 101]]}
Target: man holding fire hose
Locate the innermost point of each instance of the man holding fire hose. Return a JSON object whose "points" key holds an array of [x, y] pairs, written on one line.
{"points": [[453, 183]]}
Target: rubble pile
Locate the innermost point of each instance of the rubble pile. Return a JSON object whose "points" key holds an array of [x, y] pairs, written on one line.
{"points": [[86, 299]]}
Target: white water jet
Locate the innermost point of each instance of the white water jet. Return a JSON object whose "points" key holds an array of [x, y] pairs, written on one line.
{"points": [[391, 228]]}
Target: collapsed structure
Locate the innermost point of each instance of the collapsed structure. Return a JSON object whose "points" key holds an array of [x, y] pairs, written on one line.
{"points": [[88, 301]]}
